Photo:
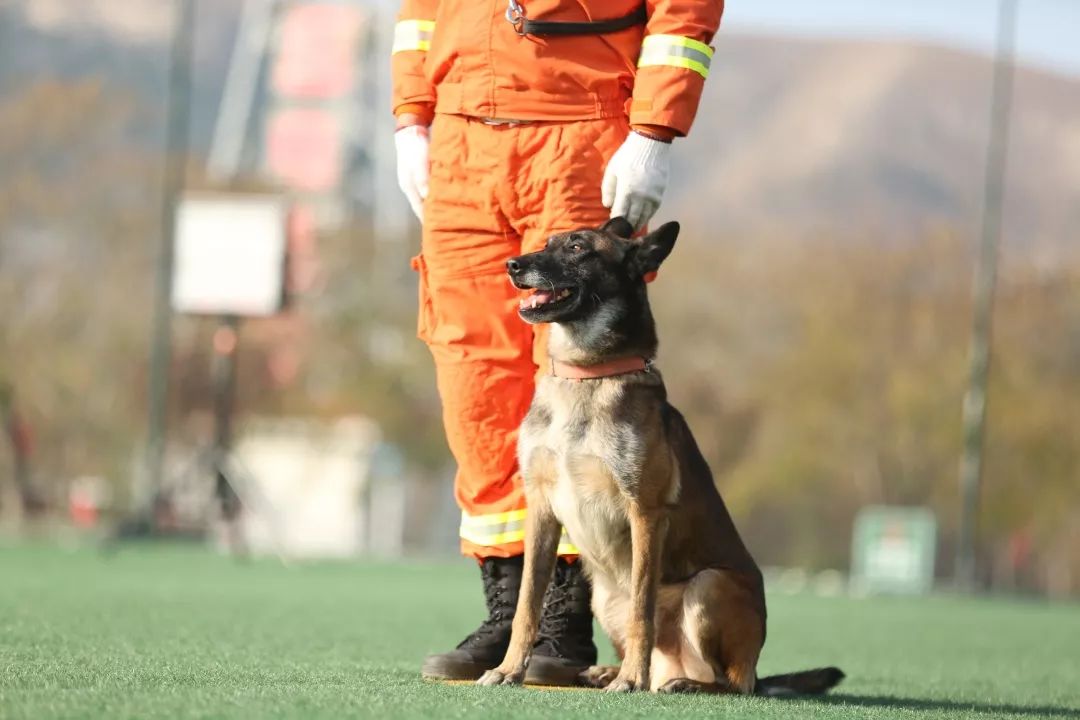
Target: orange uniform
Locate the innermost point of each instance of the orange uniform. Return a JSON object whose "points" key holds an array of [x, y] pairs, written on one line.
{"points": [[523, 127]]}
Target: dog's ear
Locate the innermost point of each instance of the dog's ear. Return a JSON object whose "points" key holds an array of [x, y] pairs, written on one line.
{"points": [[653, 249], [619, 226]]}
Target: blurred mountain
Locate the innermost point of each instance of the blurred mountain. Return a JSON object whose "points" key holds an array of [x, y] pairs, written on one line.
{"points": [[125, 43], [839, 136], [794, 135], [135, 20]]}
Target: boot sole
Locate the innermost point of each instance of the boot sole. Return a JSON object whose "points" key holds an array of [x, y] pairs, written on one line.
{"points": [[542, 671], [551, 672], [443, 669]]}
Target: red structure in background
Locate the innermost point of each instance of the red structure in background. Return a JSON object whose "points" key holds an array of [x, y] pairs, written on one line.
{"points": [[313, 82], [318, 52], [303, 149], [314, 76]]}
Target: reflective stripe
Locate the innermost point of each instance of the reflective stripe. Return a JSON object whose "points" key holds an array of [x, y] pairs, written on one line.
{"points": [[492, 519], [413, 35], [676, 51], [495, 539], [493, 529], [566, 547], [503, 528]]}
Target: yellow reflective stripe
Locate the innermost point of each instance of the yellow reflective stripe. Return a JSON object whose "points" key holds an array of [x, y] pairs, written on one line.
{"points": [[502, 528], [494, 534], [676, 51], [687, 63], [494, 528], [493, 518], [413, 35], [566, 547]]}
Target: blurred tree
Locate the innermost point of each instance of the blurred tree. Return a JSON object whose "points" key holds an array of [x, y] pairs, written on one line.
{"points": [[819, 374], [76, 207], [851, 357]]}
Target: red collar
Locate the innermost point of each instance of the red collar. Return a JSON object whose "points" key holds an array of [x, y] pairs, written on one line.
{"points": [[622, 366]]}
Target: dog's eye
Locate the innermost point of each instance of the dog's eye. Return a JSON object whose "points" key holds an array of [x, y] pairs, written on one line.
{"points": [[577, 247]]}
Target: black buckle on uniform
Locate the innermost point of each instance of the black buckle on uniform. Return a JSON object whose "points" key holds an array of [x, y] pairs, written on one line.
{"points": [[515, 15]]}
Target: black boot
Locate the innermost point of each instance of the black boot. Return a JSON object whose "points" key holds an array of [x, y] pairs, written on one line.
{"points": [[486, 646], [564, 647]]}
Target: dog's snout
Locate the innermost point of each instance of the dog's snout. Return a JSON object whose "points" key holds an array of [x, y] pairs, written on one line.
{"points": [[514, 266]]}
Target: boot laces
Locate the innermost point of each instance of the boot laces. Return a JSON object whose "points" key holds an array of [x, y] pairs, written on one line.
{"points": [[567, 618], [500, 608]]}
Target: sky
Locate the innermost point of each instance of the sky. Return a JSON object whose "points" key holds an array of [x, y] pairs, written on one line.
{"points": [[1048, 30]]}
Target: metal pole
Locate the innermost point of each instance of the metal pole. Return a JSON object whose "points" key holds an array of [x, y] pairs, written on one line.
{"points": [[223, 372], [985, 282], [177, 131], [241, 87]]}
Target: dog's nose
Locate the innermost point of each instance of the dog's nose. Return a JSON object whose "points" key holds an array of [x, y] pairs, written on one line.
{"points": [[513, 266]]}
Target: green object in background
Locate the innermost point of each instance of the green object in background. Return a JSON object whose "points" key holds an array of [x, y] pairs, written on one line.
{"points": [[893, 550]]}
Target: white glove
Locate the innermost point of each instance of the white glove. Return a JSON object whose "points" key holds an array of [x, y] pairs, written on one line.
{"points": [[635, 179], [411, 143]]}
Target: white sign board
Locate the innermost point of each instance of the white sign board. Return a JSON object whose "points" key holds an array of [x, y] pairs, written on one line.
{"points": [[230, 255]]}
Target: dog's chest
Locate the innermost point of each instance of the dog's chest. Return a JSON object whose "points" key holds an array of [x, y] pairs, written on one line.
{"points": [[573, 449]]}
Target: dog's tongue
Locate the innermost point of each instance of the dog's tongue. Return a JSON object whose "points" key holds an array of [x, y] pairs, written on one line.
{"points": [[540, 297]]}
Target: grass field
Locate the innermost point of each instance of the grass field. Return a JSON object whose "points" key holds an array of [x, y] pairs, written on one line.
{"points": [[175, 632]]}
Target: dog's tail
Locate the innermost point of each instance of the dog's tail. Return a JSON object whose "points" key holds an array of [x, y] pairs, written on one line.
{"points": [[807, 682]]}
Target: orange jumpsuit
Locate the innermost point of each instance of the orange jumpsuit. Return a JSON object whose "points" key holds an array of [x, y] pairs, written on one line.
{"points": [[522, 130]]}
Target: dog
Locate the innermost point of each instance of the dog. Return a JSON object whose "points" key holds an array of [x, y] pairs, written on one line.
{"points": [[605, 456]]}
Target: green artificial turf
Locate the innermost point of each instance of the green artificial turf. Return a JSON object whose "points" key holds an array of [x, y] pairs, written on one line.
{"points": [[174, 632]]}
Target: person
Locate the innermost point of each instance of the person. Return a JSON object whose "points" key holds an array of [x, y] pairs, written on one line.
{"points": [[515, 122]]}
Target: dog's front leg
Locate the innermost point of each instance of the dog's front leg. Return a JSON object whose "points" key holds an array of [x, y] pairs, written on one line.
{"points": [[645, 537], [542, 531]]}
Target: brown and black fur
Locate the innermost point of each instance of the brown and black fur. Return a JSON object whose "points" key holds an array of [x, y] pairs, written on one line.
{"points": [[616, 465]]}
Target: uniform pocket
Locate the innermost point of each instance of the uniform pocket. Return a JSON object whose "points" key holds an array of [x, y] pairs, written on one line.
{"points": [[425, 320]]}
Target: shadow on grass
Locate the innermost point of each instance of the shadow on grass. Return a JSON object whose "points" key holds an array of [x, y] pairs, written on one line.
{"points": [[885, 701]]}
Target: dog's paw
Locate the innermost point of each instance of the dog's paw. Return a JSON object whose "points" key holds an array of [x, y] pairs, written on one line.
{"points": [[599, 676], [627, 683], [498, 676], [681, 686]]}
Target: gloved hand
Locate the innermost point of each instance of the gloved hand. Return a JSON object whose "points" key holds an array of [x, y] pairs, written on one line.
{"points": [[635, 179], [411, 143]]}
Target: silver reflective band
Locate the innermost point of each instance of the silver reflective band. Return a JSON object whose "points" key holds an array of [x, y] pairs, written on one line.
{"points": [[676, 51], [413, 35], [493, 529]]}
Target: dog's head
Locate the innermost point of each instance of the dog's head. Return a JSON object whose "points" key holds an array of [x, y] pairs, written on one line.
{"points": [[579, 273]]}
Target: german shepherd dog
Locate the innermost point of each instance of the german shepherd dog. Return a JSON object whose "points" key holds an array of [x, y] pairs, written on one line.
{"points": [[605, 455]]}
